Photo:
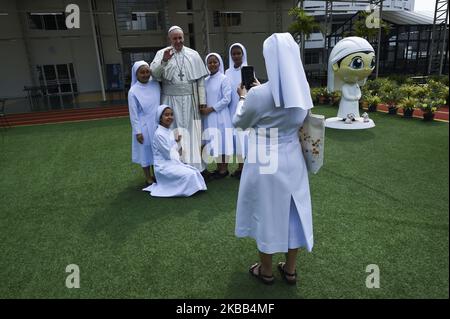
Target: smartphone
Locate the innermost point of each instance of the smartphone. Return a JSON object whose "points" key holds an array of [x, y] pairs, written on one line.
{"points": [[248, 76]]}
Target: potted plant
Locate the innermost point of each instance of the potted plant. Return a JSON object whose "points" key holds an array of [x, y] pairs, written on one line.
{"points": [[407, 90], [365, 93], [372, 101], [438, 91], [389, 95], [323, 95], [433, 96], [335, 97], [315, 95], [375, 85], [429, 107], [408, 104]]}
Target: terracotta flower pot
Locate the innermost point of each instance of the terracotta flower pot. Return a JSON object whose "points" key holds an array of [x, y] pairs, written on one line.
{"points": [[322, 99]]}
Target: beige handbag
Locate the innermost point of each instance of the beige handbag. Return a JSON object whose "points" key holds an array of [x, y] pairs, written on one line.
{"points": [[312, 139]]}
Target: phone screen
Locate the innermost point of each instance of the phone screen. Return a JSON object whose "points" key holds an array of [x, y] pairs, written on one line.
{"points": [[248, 76]]}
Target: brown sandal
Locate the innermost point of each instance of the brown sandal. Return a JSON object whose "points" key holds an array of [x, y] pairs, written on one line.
{"points": [[267, 280], [284, 274]]}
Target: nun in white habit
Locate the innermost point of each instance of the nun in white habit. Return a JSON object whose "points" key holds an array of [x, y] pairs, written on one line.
{"points": [[216, 120], [275, 209], [143, 101], [237, 59], [174, 178]]}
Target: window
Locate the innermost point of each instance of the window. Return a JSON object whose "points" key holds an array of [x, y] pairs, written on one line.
{"points": [[189, 4], [47, 21], [335, 27], [191, 36], [423, 53], [312, 57], [227, 18], [57, 79], [143, 21], [138, 56]]}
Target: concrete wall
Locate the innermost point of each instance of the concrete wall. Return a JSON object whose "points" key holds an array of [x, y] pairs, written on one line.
{"points": [[258, 22], [27, 48], [22, 49], [14, 68]]}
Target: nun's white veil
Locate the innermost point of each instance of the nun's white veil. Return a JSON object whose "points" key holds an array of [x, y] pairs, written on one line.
{"points": [[134, 70], [244, 55], [287, 78], [221, 70], [160, 111]]}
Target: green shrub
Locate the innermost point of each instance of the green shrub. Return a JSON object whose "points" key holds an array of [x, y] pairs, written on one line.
{"points": [[408, 103]]}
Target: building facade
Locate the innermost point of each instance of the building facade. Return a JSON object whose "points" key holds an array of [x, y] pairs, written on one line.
{"points": [[45, 65]]}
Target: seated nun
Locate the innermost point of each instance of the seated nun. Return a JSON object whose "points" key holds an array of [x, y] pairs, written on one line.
{"points": [[174, 178]]}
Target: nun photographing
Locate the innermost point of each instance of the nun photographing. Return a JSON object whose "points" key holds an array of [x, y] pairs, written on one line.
{"points": [[175, 179], [275, 208], [143, 100]]}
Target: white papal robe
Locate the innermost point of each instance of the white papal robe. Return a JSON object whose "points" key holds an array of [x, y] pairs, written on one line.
{"points": [[174, 178], [266, 202], [183, 89]]}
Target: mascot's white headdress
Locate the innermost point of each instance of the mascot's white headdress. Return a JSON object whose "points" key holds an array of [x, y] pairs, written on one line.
{"points": [[343, 48]]}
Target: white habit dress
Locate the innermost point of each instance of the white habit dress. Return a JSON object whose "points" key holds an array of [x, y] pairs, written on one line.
{"points": [[174, 178], [143, 101], [234, 75], [218, 96], [275, 209]]}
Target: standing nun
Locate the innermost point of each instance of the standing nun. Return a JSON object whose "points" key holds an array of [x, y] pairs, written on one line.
{"points": [[216, 115], [275, 209], [143, 101], [237, 59], [175, 179]]}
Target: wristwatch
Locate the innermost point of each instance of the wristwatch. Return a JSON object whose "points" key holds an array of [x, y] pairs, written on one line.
{"points": [[242, 97]]}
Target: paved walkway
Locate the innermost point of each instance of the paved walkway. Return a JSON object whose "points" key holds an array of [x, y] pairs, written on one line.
{"points": [[85, 114], [59, 116]]}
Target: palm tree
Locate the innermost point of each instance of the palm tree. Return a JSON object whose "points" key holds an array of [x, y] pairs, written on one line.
{"points": [[360, 28], [302, 27]]}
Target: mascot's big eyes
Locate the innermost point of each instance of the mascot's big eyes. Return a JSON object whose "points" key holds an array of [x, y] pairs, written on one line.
{"points": [[356, 63], [372, 63]]}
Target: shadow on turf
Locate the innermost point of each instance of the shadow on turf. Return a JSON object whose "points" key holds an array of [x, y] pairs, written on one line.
{"points": [[243, 286], [133, 207], [350, 135]]}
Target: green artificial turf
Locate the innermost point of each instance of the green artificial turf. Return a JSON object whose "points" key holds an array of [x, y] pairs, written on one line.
{"points": [[70, 195]]}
